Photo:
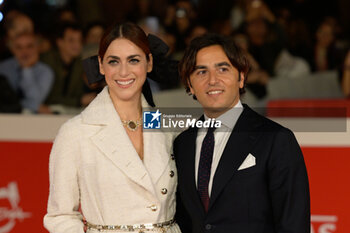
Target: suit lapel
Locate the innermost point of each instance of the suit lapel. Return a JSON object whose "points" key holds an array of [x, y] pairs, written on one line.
{"points": [[113, 141], [237, 148]]}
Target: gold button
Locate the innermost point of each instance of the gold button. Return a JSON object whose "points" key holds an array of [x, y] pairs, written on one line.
{"points": [[153, 207], [164, 191], [171, 173]]}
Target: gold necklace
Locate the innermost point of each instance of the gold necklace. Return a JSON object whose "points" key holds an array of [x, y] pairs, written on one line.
{"points": [[132, 125]]}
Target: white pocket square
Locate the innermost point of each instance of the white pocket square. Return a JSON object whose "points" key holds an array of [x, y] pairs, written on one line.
{"points": [[248, 162]]}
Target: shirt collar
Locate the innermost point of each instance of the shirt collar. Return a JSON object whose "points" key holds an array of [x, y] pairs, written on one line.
{"points": [[230, 117]]}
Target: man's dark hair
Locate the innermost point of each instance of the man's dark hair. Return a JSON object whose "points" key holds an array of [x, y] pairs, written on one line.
{"points": [[63, 26], [234, 54]]}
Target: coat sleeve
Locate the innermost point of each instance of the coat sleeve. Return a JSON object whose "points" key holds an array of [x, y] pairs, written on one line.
{"points": [[63, 214], [288, 185]]}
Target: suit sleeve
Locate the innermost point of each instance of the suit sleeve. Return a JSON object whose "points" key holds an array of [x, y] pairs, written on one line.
{"points": [[63, 214], [288, 185], [181, 216]]}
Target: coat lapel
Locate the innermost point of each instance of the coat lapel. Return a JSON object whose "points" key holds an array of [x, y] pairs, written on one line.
{"points": [[114, 142], [237, 148], [157, 150]]}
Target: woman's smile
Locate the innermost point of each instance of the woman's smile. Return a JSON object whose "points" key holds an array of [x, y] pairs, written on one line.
{"points": [[125, 83]]}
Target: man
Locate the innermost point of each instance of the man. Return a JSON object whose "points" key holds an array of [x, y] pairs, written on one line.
{"points": [[15, 23], [248, 175], [27, 76], [68, 88]]}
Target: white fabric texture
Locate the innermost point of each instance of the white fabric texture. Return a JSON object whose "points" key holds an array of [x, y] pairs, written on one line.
{"points": [[94, 167]]}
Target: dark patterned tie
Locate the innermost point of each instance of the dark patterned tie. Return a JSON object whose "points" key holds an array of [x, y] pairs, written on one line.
{"points": [[204, 167]]}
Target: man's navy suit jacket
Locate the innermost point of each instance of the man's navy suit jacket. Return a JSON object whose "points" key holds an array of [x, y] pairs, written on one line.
{"points": [[270, 197]]}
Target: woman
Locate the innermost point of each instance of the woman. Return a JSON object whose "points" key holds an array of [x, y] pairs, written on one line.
{"points": [[103, 167]]}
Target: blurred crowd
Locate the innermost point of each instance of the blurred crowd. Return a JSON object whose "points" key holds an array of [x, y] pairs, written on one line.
{"points": [[42, 45]]}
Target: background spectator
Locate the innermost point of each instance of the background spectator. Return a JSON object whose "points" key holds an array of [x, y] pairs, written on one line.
{"points": [[28, 77], [9, 101], [92, 36], [278, 36], [346, 76], [326, 55], [258, 78], [15, 22], [196, 30], [68, 87], [178, 22], [266, 37]]}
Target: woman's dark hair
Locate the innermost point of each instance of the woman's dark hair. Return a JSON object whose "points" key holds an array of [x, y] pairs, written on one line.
{"points": [[128, 31], [234, 54], [136, 35]]}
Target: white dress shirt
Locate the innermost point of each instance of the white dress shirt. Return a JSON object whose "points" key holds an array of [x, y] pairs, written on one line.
{"points": [[228, 122]]}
